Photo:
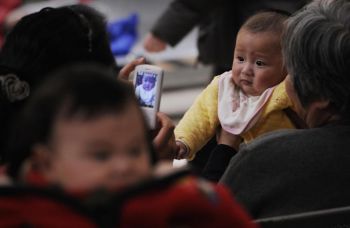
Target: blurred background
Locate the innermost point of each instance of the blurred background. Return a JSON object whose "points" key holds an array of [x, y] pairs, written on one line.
{"points": [[184, 78], [128, 23]]}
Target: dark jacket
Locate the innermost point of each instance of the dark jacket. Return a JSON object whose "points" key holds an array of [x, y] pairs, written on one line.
{"points": [[292, 171], [219, 22]]}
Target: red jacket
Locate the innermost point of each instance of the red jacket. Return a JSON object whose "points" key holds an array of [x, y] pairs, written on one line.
{"points": [[186, 202], [5, 7], [176, 200]]}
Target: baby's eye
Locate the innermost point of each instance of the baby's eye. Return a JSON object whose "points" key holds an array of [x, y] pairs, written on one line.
{"points": [[138, 150], [260, 63], [134, 152], [102, 155], [240, 59]]}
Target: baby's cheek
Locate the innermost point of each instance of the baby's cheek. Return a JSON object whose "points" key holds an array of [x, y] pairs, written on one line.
{"points": [[265, 83], [235, 76], [93, 181]]}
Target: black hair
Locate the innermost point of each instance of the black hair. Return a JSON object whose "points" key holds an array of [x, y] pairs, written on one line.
{"points": [[53, 37], [87, 91], [45, 41]]}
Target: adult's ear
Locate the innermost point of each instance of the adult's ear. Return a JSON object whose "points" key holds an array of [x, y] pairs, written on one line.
{"points": [[319, 113]]}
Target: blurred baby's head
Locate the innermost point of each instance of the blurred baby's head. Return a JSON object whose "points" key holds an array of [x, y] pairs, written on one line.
{"points": [[257, 61], [75, 131], [45, 41], [148, 81]]}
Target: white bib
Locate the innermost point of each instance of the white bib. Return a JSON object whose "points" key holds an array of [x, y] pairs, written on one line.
{"points": [[237, 111]]}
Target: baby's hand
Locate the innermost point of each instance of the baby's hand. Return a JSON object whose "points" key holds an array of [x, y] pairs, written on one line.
{"points": [[181, 151]]}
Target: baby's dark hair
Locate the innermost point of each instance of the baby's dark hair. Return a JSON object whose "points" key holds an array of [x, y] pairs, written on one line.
{"points": [[84, 91], [43, 42], [53, 37], [266, 21]]}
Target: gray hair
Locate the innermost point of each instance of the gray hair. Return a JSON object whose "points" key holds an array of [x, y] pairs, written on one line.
{"points": [[316, 50]]}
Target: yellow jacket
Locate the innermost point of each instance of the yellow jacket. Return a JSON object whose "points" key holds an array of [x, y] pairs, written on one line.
{"points": [[200, 122]]}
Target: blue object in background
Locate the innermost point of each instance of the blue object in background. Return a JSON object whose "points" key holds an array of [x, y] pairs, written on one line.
{"points": [[123, 34]]}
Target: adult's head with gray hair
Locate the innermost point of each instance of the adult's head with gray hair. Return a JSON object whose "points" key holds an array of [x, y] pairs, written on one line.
{"points": [[316, 49]]}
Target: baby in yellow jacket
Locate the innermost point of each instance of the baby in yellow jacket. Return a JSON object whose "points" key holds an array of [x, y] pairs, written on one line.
{"points": [[248, 100]]}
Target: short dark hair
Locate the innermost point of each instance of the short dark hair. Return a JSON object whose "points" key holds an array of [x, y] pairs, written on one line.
{"points": [[45, 41], [316, 49], [266, 21], [53, 37], [87, 91]]}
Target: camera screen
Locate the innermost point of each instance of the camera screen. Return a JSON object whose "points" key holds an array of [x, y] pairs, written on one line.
{"points": [[145, 88]]}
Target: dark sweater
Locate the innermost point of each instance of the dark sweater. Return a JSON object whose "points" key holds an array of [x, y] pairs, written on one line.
{"points": [[292, 171], [218, 21]]}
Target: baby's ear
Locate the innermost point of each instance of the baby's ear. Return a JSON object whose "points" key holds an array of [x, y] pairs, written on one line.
{"points": [[41, 158]]}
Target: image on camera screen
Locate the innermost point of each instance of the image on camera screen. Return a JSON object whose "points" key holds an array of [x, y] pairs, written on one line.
{"points": [[145, 88]]}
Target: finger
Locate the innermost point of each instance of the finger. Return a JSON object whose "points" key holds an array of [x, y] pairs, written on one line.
{"points": [[128, 68], [166, 131]]}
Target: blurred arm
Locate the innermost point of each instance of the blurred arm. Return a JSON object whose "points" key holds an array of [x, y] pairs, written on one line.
{"points": [[180, 18]]}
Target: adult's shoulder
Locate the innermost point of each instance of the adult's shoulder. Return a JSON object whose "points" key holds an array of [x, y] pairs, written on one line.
{"points": [[291, 162], [290, 138], [275, 138], [271, 152], [279, 151]]}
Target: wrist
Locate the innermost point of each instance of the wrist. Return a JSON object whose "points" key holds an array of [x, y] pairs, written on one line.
{"points": [[183, 150], [233, 143]]}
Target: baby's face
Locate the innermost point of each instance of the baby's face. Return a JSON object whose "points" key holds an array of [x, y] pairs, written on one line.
{"points": [[99, 152], [257, 62], [148, 82]]}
